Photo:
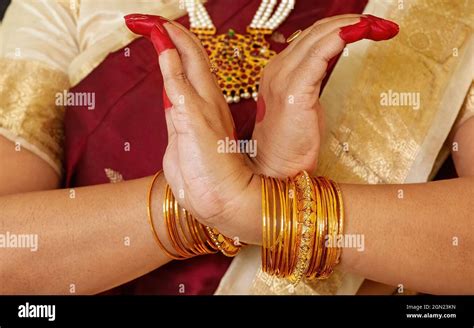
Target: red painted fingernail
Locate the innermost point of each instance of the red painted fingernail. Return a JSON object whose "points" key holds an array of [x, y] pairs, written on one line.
{"points": [[369, 27], [166, 101], [161, 39], [382, 29], [143, 24]]}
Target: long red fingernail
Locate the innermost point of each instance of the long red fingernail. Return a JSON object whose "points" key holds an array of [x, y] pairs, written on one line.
{"points": [[161, 39], [166, 101], [143, 24], [369, 27]]}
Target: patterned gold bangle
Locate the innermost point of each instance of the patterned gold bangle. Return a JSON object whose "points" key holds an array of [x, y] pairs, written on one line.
{"points": [[305, 194], [224, 244], [298, 215], [321, 226]]}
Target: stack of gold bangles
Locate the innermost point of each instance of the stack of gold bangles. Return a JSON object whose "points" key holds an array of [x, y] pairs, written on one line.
{"points": [[299, 215], [190, 238]]}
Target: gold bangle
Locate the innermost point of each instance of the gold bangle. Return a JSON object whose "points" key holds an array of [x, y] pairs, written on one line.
{"points": [[273, 227], [281, 234], [177, 230], [304, 213], [331, 231], [320, 231], [224, 244], [340, 216], [293, 226], [198, 245], [264, 224], [337, 229], [307, 221], [152, 224]]}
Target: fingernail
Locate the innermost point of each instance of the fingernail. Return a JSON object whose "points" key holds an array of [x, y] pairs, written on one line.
{"points": [[143, 24], [382, 29], [166, 101], [369, 27], [161, 39]]}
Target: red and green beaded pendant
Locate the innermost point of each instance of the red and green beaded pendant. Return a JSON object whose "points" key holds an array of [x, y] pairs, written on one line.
{"points": [[237, 60]]}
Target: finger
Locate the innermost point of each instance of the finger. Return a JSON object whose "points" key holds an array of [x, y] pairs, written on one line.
{"points": [[296, 51], [211, 92], [350, 30], [315, 52], [312, 69], [193, 37], [169, 123], [323, 21], [178, 89], [199, 44], [195, 62], [332, 18]]}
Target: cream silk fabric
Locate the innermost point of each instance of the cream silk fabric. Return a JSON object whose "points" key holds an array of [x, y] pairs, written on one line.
{"points": [[46, 46]]}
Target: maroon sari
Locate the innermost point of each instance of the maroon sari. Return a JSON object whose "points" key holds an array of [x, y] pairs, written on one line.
{"points": [[127, 131]]}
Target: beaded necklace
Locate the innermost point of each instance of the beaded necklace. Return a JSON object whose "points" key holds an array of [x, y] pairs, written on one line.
{"points": [[238, 60]]}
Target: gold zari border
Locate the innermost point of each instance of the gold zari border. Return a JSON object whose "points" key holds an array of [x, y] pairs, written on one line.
{"points": [[28, 113]]}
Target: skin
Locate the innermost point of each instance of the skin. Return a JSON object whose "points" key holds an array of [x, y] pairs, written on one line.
{"points": [[81, 240], [84, 247], [464, 155], [290, 87], [409, 240]]}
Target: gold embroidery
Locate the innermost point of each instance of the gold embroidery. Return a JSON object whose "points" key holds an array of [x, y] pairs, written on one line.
{"points": [[113, 176], [264, 284], [118, 38], [28, 113], [386, 144]]}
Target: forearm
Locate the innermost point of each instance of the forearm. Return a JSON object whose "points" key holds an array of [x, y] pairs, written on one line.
{"points": [[22, 171], [418, 235], [463, 148], [89, 239]]}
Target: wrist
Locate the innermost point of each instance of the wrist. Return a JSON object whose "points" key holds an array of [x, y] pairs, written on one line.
{"points": [[259, 165], [242, 219]]}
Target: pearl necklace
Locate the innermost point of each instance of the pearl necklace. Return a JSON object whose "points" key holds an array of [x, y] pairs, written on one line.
{"points": [[238, 60]]}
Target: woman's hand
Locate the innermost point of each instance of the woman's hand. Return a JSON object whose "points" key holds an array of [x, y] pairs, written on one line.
{"points": [[290, 119], [205, 182], [214, 186]]}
